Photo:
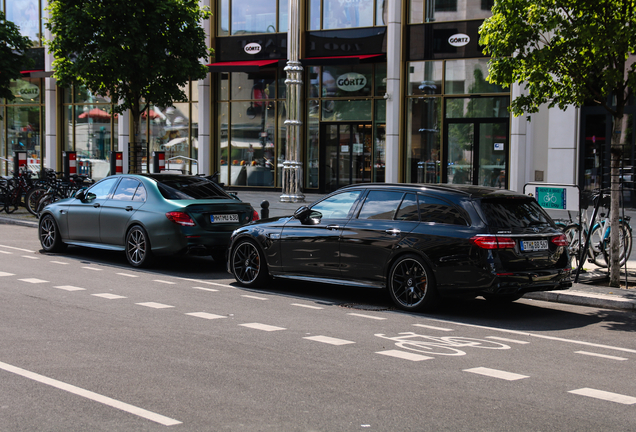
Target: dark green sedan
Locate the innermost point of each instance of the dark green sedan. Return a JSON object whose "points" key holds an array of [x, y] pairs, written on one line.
{"points": [[147, 215]]}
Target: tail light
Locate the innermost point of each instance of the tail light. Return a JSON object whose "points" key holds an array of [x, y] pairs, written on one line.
{"points": [[180, 218], [493, 242], [255, 216], [560, 240]]}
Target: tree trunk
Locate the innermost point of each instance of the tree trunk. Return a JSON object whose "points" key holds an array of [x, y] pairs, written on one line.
{"points": [[615, 250]]}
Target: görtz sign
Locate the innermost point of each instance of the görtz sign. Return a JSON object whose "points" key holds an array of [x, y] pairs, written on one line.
{"points": [[459, 40], [252, 48], [351, 82]]}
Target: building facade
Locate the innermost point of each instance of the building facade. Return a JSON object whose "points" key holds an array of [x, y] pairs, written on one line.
{"points": [[393, 91]]}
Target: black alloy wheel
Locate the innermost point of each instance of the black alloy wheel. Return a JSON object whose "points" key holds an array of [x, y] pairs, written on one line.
{"points": [[248, 265], [410, 284], [138, 250], [50, 235]]}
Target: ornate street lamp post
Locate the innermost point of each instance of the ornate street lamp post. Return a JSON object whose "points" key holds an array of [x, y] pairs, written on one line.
{"points": [[292, 167]]}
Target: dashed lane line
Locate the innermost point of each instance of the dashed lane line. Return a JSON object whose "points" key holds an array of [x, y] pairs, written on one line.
{"points": [[433, 327], [70, 288], [155, 305], [18, 249], [520, 342], [109, 296], [206, 289], [127, 275], [59, 262], [140, 412], [605, 356], [30, 257], [307, 306], [164, 282], [6, 274], [205, 315], [92, 268], [604, 395], [494, 373], [253, 297], [5, 252], [367, 316], [404, 355], [264, 327], [33, 280], [329, 340]]}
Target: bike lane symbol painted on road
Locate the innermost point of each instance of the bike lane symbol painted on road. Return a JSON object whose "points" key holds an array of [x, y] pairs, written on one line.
{"points": [[440, 345]]}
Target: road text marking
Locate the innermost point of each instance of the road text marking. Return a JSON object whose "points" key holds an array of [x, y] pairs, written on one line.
{"points": [[33, 280], [149, 415], [263, 327], [508, 376], [329, 340], [70, 288], [404, 355], [607, 396], [109, 296], [155, 305], [600, 355], [205, 315]]}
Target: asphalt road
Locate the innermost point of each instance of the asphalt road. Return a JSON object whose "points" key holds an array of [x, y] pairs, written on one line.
{"points": [[89, 343]]}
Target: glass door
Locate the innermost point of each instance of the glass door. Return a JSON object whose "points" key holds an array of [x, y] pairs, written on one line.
{"points": [[346, 154]]}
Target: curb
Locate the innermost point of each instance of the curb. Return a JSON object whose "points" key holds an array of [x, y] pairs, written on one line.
{"points": [[579, 298], [11, 221]]}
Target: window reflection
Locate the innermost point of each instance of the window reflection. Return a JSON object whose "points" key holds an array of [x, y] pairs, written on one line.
{"points": [[448, 10], [340, 14]]}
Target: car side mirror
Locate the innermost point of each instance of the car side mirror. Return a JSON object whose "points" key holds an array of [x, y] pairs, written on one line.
{"points": [[302, 213], [80, 195]]}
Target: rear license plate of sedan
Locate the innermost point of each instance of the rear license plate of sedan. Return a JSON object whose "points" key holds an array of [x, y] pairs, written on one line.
{"points": [[534, 245], [221, 218]]}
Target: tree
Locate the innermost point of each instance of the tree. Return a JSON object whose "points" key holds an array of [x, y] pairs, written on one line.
{"points": [[137, 52], [13, 47], [568, 52]]}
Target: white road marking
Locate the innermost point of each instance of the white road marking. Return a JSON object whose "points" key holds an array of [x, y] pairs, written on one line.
{"points": [[164, 282], [109, 296], [59, 262], [433, 328], [30, 257], [329, 340], [508, 376], [607, 396], [127, 275], [367, 316], [264, 327], [206, 282], [33, 280], [520, 342], [5, 252], [306, 306], [554, 338], [70, 288], [600, 355], [92, 268], [18, 249], [6, 274], [404, 355], [149, 415], [253, 297], [206, 289], [205, 315], [155, 305]]}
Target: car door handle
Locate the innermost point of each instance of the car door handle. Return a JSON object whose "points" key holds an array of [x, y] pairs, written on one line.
{"points": [[129, 208], [333, 227], [96, 205], [393, 232]]}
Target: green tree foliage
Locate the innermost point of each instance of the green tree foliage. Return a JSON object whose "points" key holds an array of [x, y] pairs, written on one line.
{"points": [[567, 52], [13, 47], [137, 52]]}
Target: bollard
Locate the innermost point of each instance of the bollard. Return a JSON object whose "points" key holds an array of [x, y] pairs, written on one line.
{"points": [[265, 209]]}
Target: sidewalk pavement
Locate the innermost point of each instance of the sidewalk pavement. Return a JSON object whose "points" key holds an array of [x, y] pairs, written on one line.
{"points": [[592, 289]]}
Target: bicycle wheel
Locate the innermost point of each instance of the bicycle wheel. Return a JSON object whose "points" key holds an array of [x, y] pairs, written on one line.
{"points": [[32, 198], [12, 200], [597, 246], [624, 244], [576, 240]]}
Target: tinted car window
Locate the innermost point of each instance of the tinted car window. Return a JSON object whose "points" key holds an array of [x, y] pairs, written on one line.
{"points": [[514, 213], [437, 211], [408, 209], [381, 205], [336, 206], [126, 189], [102, 189], [140, 193], [190, 188]]}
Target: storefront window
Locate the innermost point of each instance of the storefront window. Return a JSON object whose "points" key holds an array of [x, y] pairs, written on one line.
{"points": [[425, 78], [448, 10], [345, 110], [469, 77], [379, 155], [339, 14], [26, 14], [237, 17], [424, 145], [483, 107]]}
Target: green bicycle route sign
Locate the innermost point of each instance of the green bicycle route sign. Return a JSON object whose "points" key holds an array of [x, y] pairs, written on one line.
{"points": [[552, 198]]}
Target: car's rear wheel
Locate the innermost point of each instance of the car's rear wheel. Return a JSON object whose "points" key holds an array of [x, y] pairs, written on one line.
{"points": [[411, 284], [248, 264], [138, 250], [50, 238]]}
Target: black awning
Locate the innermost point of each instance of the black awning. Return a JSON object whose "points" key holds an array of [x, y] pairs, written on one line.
{"points": [[242, 66]]}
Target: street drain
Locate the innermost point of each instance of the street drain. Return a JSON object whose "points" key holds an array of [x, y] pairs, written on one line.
{"points": [[365, 307]]}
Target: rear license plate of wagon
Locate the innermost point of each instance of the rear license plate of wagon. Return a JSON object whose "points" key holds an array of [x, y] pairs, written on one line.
{"points": [[221, 218], [534, 245]]}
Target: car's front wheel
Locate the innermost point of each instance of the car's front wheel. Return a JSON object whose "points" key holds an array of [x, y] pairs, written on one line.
{"points": [[138, 247], [411, 284], [50, 238], [248, 264]]}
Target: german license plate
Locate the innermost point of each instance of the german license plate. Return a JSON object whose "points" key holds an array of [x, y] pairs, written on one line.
{"points": [[534, 245], [221, 218]]}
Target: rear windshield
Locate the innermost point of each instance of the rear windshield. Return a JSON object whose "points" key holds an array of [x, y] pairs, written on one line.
{"points": [[190, 188], [514, 213]]}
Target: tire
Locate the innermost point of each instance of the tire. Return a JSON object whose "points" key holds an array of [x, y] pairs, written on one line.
{"points": [[248, 264], [138, 250], [576, 240], [625, 244], [410, 284], [32, 197], [597, 246], [49, 234]]}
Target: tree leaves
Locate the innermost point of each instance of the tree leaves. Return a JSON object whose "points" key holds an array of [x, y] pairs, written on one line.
{"points": [[13, 47]]}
